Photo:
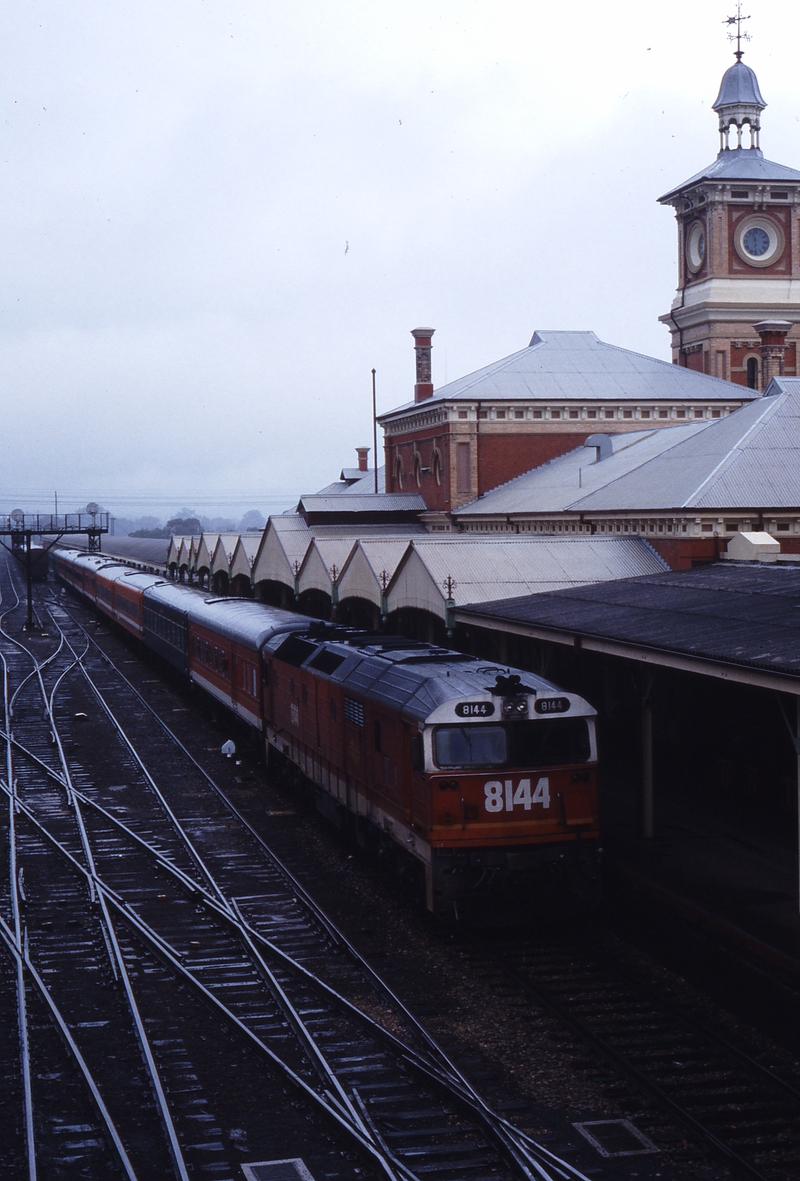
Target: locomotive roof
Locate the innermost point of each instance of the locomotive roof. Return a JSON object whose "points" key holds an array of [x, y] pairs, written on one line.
{"points": [[241, 620], [408, 676]]}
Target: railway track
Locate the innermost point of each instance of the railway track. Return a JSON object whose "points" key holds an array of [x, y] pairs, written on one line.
{"points": [[149, 930], [678, 1068]]}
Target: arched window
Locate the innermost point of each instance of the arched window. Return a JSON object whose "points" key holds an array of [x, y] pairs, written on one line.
{"points": [[416, 469], [436, 465], [752, 373], [398, 471]]}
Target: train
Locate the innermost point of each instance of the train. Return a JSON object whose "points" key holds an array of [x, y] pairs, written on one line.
{"points": [[483, 777]]}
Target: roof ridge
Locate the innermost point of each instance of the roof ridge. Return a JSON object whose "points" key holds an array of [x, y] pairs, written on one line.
{"points": [[479, 374], [736, 450], [670, 365]]}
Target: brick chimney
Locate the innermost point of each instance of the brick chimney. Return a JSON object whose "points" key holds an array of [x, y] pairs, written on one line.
{"points": [[773, 348], [363, 462], [422, 346]]}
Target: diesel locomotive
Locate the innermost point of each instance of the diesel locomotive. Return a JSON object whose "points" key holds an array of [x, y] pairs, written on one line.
{"points": [[485, 776]]}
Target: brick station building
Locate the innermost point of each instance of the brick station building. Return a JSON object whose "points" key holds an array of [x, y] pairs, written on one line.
{"points": [[455, 444], [735, 324]]}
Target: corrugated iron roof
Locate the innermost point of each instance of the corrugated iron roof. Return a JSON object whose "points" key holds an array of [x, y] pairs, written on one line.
{"points": [[577, 366], [750, 459], [741, 614], [383, 554], [333, 553], [487, 568], [557, 484], [379, 530]]}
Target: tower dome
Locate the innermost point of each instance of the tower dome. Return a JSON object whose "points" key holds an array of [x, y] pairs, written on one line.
{"points": [[739, 105]]}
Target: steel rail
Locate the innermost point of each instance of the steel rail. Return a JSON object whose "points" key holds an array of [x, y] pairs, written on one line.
{"points": [[110, 939], [543, 998], [22, 1014], [76, 798], [500, 1129], [36, 671], [195, 855], [525, 1151], [128, 915], [318, 1060], [452, 1072], [112, 944], [232, 916], [22, 955], [711, 1035]]}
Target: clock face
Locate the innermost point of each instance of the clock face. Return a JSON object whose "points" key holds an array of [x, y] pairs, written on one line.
{"points": [[756, 241], [695, 246], [759, 240]]}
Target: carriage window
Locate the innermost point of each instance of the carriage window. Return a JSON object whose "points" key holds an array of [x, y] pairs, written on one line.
{"points": [[471, 746]]}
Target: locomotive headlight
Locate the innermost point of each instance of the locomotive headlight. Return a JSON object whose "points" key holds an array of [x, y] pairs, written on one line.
{"points": [[515, 707]]}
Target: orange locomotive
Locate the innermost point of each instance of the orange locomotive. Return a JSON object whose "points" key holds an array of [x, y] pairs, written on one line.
{"points": [[487, 776]]}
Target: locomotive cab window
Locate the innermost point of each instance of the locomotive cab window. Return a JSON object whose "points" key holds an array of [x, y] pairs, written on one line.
{"points": [[471, 746], [545, 743], [550, 742]]}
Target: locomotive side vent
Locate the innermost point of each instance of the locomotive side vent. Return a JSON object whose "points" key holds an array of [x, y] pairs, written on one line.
{"points": [[353, 711]]}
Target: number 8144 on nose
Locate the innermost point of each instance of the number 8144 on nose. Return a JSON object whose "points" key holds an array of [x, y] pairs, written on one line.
{"points": [[501, 796]]}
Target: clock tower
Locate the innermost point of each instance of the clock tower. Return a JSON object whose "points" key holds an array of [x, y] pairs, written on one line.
{"points": [[736, 313]]}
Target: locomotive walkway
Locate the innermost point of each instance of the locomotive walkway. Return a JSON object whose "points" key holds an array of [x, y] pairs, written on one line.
{"points": [[180, 1004]]}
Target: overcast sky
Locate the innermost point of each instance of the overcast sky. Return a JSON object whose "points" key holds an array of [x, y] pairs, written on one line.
{"points": [[217, 217]]}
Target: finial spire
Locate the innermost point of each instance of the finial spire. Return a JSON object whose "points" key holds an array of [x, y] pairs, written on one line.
{"points": [[739, 103], [738, 36]]}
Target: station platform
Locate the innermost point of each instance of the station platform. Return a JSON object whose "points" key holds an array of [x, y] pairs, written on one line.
{"points": [[731, 870]]}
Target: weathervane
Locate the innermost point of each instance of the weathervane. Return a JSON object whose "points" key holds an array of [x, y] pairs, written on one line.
{"points": [[738, 36]]}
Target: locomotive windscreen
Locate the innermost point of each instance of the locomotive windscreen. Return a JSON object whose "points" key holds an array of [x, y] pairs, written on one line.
{"points": [[548, 743], [471, 746]]}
